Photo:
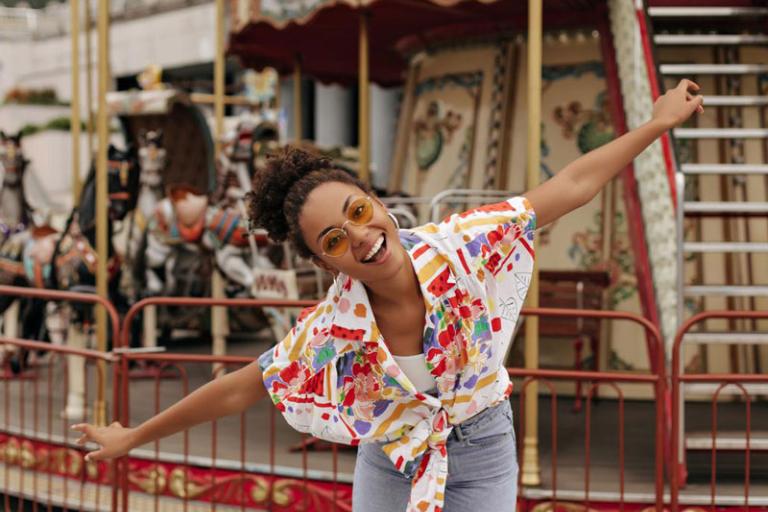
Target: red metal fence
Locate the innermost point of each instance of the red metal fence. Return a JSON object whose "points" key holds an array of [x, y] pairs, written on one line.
{"points": [[42, 466], [596, 379], [267, 489], [198, 468], [679, 473]]}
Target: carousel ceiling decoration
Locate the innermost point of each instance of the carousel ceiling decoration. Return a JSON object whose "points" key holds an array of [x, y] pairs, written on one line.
{"points": [[324, 35]]}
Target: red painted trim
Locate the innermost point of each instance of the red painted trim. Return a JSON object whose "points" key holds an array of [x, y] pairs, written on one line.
{"points": [[666, 145], [631, 196]]}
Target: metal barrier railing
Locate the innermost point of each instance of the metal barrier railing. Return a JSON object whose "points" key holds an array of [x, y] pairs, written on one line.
{"points": [[62, 296], [272, 490], [269, 488], [249, 483], [67, 380], [656, 379], [202, 302], [678, 379], [38, 444]]}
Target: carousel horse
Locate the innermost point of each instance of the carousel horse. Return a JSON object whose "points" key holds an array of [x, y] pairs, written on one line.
{"points": [[190, 233], [14, 216], [74, 261], [152, 161], [74, 254], [186, 237], [44, 258], [14, 210], [254, 139]]}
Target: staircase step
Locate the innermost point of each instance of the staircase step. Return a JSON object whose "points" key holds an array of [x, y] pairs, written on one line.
{"points": [[724, 168], [705, 12], [717, 247], [724, 207], [709, 39], [736, 101], [724, 290], [720, 133], [726, 338], [712, 69], [727, 440]]}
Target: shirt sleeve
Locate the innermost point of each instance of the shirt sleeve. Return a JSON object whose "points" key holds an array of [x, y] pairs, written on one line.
{"points": [[494, 238], [289, 366]]}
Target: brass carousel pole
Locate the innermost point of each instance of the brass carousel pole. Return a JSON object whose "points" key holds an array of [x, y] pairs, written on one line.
{"points": [[89, 77], [531, 471], [74, 7], [364, 100], [219, 326], [297, 124], [101, 196], [218, 77]]}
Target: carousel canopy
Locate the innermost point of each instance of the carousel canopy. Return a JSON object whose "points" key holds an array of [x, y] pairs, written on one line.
{"points": [[324, 33]]}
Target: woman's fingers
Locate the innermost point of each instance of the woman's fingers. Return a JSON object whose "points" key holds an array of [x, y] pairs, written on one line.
{"points": [[95, 455], [698, 102], [84, 428], [89, 433], [686, 84]]}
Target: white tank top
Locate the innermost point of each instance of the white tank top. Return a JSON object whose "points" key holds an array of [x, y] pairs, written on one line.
{"points": [[415, 368]]}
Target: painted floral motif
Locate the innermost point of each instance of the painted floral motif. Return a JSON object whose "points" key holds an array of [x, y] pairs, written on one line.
{"points": [[333, 375]]}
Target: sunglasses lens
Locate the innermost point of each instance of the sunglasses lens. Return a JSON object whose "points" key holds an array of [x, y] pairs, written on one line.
{"points": [[360, 211], [335, 243]]}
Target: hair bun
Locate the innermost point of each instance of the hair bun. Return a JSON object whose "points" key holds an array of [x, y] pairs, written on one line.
{"points": [[271, 185]]}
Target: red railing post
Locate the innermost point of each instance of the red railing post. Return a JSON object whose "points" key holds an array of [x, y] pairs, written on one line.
{"points": [[678, 462]]}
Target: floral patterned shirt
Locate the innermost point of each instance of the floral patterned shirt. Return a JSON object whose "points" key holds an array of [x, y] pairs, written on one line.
{"points": [[334, 377]]}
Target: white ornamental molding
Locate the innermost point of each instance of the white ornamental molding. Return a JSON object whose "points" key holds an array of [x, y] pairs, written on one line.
{"points": [[650, 170]]}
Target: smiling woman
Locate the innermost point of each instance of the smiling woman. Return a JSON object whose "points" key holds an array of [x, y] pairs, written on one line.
{"points": [[405, 355]]}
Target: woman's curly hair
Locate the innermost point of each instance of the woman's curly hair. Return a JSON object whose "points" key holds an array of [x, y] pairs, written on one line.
{"points": [[281, 187]]}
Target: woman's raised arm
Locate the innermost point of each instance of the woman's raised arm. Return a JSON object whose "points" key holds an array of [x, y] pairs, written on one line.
{"points": [[581, 180]]}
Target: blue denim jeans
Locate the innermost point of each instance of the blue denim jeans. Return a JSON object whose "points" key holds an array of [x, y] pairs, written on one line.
{"points": [[482, 469]]}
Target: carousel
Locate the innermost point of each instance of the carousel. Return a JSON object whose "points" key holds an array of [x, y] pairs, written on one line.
{"points": [[646, 394]]}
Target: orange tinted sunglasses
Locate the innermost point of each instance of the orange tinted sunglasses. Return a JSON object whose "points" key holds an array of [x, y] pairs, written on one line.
{"points": [[336, 241]]}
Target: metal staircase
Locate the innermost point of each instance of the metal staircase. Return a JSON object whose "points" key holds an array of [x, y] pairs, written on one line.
{"points": [[722, 187]]}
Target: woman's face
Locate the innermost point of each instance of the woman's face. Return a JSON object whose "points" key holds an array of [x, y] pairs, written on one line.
{"points": [[326, 208]]}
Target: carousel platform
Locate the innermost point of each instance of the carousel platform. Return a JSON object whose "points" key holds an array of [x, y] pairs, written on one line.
{"points": [[243, 447]]}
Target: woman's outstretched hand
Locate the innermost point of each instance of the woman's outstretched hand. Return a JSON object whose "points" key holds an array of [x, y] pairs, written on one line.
{"points": [[678, 104], [114, 440]]}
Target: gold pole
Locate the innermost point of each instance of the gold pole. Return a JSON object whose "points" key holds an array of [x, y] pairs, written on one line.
{"points": [[89, 77], [278, 100], [101, 193], [218, 76], [364, 100], [297, 125], [218, 314], [74, 7], [531, 471]]}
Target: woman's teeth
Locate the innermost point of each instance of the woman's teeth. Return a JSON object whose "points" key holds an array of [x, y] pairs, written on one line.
{"points": [[376, 247]]}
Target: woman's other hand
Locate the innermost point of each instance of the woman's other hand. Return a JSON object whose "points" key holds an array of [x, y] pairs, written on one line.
{"points": [[678, 104], [114, 440]]}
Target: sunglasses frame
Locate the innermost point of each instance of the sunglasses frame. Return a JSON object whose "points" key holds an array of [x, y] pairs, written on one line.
{"points": [[343, 227]]}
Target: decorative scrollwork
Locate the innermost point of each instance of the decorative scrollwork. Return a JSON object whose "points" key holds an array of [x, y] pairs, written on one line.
{"points": [[152, 480]]}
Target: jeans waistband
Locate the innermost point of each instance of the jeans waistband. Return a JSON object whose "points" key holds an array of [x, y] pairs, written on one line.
{"points": [[476, 422]]}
